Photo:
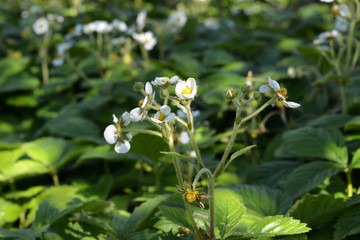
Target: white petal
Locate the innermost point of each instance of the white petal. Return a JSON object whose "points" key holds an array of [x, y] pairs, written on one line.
{"points": [[170, 117], [122, 147], [184, 137], [165, 109], [129, 136], [126, 118], [148, 88], [291, 104], [264, 88], [110, 134], [115, 119], [179, 88], [174, 80], [135, 115], [274, 85], [191, 83]]}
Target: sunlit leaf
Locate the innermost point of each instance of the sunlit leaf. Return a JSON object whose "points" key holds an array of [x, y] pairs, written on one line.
{"points": [[276, 226], [9, 211], [228, 213], [45, 150]]}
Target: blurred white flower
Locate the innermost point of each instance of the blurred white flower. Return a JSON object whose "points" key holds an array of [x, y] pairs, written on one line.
{"points": [[327, 1], [325, 36], [177, 20], [60, 19], [112, 133], [139, 113], [164, 115], [77, 30], [211, 23], [102, 27], [344, 10], [118, 41], [147, 39], [141, 20], [60, 53], [89, 28], [183, 138], [25, 14], [186, 90], [341, 24], [58, 60], [119, 25], [164, 81], [41, 26], [281, 93]]}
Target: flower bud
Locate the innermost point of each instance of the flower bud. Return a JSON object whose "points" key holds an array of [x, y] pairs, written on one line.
{"points": [[231, 93], [138, 86], [245, 89], [257, 95]]}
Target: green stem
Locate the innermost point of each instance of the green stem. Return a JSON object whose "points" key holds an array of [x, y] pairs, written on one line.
{"points": [[76, 68], [349, 182], [212, 208], [227, 150], [145, 55], [234, 133], [192, 137], [181, 182], [199, 174], [349, 48], [55, 179], [151, 132], [343, 99]]}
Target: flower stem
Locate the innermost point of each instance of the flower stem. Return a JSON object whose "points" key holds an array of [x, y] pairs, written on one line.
{"points": [[151, 132], [349, 182], [192, 137], [181, 182], [212, 208], [234, 133]]}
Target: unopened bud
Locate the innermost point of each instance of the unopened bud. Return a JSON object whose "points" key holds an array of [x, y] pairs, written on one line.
{"points": [[238, 119], [245, 89], [164, 93], [231, 93], [257, 95], [138, 86]]}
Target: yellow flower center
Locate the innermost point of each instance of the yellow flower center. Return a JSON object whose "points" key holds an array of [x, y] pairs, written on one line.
{"points": [[282, 92], [141, 102], [191, 196], [186, 90], [167, 79], [162, 117]]}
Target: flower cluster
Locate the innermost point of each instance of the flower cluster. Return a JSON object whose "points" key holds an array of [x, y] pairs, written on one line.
{"points": [[185, 91], [281, 93]]}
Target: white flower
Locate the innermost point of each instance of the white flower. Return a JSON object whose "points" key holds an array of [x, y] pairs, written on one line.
{"points": [[344, 10], [325, 36], [164, 81], [177, 20], [102, 27], [327, 1], [141, 19], [58, 60], [186, 90], [147, 39], [183, 138], [77, 30], [139, 113], [89, 28], [164, 115], [112, 133], [41, 26], [211, 23], [63, 47], [341, 24], [119, 25], [281, 93]]}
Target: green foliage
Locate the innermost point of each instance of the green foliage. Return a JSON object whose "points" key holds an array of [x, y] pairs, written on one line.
{"points": [[229, 212], [308, 176], [348, 223], [276, 226], [317, 209]]}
